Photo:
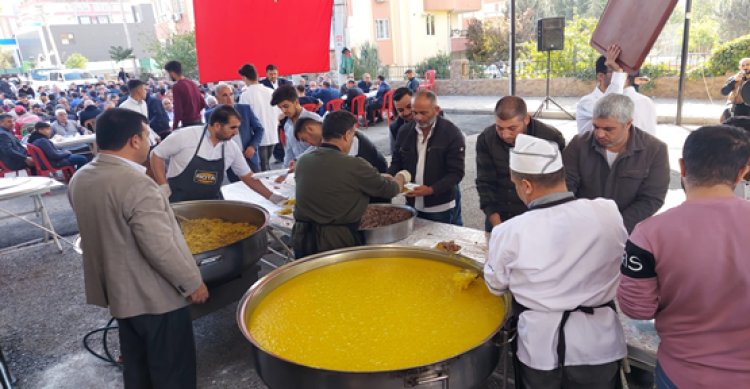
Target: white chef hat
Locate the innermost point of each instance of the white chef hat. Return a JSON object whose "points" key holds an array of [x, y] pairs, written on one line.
{"points": [[532, 155]]}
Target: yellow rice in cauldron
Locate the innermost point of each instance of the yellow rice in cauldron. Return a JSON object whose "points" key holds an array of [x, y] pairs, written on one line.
{"points": [[206, 234]]}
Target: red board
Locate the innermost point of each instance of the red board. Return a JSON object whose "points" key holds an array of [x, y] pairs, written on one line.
{"points": [[634, 26], [294, 35]]}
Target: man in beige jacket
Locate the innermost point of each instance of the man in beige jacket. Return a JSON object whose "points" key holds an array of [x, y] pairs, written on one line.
{"points": [[135, 259]]}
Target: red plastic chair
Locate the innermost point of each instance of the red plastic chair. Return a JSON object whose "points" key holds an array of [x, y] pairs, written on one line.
{"points": [[310, 107], [358, 109], [429, 80], [44, 167], [387, 107], [334, 105], [4, 169]]}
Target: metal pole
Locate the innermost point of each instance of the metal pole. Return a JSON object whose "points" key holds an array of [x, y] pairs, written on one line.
{"points": [[549, 64], [512, 49], [683, 62]]}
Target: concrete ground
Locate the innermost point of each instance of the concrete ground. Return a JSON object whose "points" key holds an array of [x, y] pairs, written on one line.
{"points": [[43, 315]]}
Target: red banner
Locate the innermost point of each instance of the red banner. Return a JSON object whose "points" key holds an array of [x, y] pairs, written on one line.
{"points": [[294, 35]]}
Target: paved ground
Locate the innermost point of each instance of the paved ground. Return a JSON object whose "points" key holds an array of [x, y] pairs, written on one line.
{"points": [[43, 315]]}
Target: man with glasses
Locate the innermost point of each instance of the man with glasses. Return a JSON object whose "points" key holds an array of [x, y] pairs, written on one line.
{"points": [[497, 193]]}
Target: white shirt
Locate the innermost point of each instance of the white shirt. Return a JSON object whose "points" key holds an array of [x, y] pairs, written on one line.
{"points": [[179, 148], [585, 106], [555, 259], [419, 177], [258, 97], [142, 108], [644, 111], [139, 168], [611, 157], [743, 190]]}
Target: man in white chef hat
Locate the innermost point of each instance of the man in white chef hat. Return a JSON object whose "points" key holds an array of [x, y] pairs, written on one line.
{"points": [[561, 261]]}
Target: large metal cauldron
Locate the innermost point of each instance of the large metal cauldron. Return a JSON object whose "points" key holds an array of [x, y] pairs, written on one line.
{"points": [[467, 370], [227, 262]]}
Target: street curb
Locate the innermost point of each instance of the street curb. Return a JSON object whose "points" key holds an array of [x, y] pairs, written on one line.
{"points": [[557, 115]]}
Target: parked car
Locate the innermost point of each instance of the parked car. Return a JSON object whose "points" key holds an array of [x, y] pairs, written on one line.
{"points": [[61, 77]]}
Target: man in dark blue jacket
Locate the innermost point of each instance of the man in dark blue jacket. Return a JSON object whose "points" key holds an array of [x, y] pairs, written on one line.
{"points": [[326, 94], [377, 102], [250, 133], [158, 119], [12, 152], [272, 79], [411, 81]]}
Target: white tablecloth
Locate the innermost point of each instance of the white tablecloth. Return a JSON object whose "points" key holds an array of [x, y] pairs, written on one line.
{"points": [[74, 140]]}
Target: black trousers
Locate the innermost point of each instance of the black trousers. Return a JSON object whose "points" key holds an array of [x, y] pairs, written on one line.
{"points": [[604, 376], [158, 351]]}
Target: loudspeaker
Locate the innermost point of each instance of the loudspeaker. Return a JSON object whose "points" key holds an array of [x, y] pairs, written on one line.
{"points": [[550, 34]]}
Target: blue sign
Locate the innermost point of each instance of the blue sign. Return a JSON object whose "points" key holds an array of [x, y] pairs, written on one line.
{"points": [[8, 42]]}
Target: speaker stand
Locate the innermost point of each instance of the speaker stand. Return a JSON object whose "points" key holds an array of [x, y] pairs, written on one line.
{"points": [[547, 99]]}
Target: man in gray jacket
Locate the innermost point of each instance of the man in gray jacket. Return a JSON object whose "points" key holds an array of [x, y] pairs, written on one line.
{"points": [[618, 161], [135, 259]]}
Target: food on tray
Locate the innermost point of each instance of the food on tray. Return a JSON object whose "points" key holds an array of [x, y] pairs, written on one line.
{"points": [[289, 202], [380, 216], [375, 315], [206, 234], [448, 246], [285, 211]]}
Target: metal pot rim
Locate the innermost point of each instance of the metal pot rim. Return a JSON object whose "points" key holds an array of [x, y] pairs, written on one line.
{"points": [[455, 259], [240, 204]]}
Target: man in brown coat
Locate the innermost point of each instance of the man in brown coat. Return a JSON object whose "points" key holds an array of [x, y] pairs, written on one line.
{"points": [[618, 161], [135, 260]]}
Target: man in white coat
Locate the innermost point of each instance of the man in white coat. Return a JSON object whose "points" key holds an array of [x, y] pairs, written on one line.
{"points": [[258, 97], [560, 260]]}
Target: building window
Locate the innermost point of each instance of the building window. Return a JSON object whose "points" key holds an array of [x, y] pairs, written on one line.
{"points": [[430, 19], [381, 29], [67, 38], [84, 19], [103, 19]]}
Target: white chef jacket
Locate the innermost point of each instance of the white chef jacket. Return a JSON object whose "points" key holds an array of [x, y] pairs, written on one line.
{"points": [[179, 148], [644, 111], [556, 259], [258, 97], [585, 106]]}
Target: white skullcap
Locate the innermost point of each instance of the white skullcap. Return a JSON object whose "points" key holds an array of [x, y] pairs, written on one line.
{"points": [[59, 111], [88, 103], [532, 155]]}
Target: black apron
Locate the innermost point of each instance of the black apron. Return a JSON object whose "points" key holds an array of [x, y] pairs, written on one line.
{"points": [[517, 309], [201, 179]]}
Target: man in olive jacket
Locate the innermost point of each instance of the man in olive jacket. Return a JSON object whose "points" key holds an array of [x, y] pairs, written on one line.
{"points": [[135, 259], [618, 161], [432, 149], [497, 194], [333, 190]]}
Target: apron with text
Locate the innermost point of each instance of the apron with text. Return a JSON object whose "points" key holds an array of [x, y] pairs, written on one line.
{"points": [[201, 179]]}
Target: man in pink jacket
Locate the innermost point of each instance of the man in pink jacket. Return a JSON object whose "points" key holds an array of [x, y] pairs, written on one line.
{"points": [[688, 268]]}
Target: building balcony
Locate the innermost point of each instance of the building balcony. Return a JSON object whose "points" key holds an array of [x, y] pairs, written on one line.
{"points": [[453, 5]]}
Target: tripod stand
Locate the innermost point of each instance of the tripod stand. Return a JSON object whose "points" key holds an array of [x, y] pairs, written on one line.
{"points": [[547, 99]]}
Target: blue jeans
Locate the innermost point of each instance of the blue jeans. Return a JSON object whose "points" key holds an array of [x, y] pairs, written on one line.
{"points": [[662, 380], [456, 218], [76, 160]]}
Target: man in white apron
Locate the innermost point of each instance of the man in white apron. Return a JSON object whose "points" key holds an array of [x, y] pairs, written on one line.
{"points": [[560, 261]]}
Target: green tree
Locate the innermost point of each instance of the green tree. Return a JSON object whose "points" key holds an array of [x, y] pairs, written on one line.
{"points": [[726, 57], [180, 48], [703, 34], [367, 61], [440, 63], [76, 61], [119, 53], [576, 60], [734, 16], [487, 41]]}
